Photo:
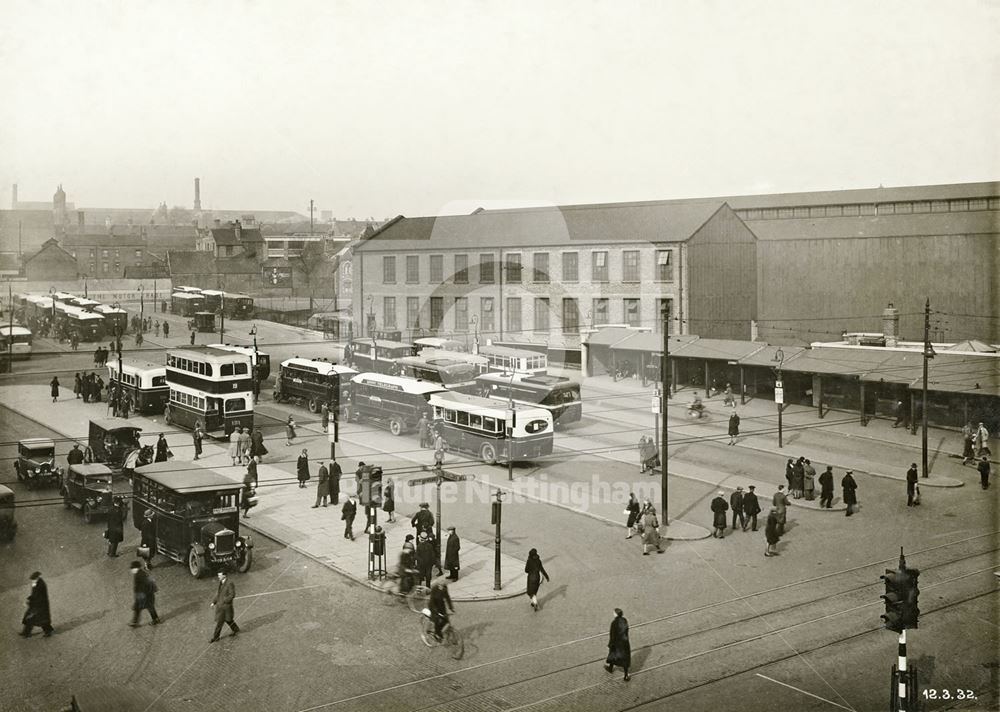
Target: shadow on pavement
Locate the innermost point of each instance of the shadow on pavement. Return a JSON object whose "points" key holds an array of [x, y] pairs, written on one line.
{"points": [[80, 621]]}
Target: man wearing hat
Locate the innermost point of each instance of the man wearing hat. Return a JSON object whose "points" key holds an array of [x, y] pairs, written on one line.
{"points": [[751, 508], [143, 594], [719, 508], [736, 504], [426, 557], [75, 456], [451, 554], [347, 513], [423, 520], [147, 536], [38, 613]]}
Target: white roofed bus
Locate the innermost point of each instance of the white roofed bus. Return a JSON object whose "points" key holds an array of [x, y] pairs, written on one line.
{"points": [[145, 383], [394, 402], [313, 382]]}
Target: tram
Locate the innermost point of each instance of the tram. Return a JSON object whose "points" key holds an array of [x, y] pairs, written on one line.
{"points": [[479, 426], [145, 383], [209, 387]]}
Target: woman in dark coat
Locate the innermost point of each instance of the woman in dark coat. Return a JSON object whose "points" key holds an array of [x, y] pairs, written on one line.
{"points": [[619, 648], [388, 500], [257, 444], [77, 385], [302, 468], [633, 513], [798, 478], [535, 571], [161, 449], [734, 428], [54, 388], [850, 492], [771, 533], [719, 508], [38, 608], [789, 476]]}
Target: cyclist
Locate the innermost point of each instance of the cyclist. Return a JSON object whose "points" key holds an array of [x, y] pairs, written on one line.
{"points": [[440, 604], [697, 407]]}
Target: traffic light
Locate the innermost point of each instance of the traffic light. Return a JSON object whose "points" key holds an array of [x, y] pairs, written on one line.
{"points": [[909, 604], [371, 486], [901, 592]]}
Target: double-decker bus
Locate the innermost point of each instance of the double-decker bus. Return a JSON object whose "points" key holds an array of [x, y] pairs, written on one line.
{"points": [[557, 394], [115, 319], [452, 373], [507, 359], [15, 341], [379, 356], [392, 401], [260, 360], [209, 387], [213, 299], [313, 382], [237, 306], [75, 322], [145, 383], [479, 426], [186, 303]]}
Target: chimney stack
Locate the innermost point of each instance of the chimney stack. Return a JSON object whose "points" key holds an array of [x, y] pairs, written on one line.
{"points": [[890, 325], [197, 193], [80, 220], [13, 197]]}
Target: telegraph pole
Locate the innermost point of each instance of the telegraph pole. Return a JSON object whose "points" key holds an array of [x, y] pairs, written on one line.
{"points": [[663, 421], [928, 354], [310, 216]]}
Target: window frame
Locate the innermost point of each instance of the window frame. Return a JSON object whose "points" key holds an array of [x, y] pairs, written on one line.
{"points": [[664, 269], [631, 272], [575, 255], [412, 269], [387, 261], [436, 269], [595, 275], [514, 266], [487, 265], [461, 273]]}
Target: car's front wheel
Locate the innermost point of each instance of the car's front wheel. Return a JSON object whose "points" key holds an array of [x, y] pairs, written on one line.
{"points": [[196, 563], [244, 563]]}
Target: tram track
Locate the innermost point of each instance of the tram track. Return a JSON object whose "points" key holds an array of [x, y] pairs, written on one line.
{"points": [[856, 598]]}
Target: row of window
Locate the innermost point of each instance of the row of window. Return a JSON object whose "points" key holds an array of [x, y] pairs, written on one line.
{"points": [[232, 405], [540, 273], [106, 254], [205, 369], [600, 313], [905, 207], [472, 421]]}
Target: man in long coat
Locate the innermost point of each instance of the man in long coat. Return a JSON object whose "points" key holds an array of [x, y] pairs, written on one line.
{"points": [[451, 554], [772, 533], [323, 488], [162, 448], [619, 647], [751, 508], [826, 488], [223, 605], [719, 508], [780, 503], [426, 557], [114, 531], [302, 468], [423, 520], [335, 472], [736, 504], [348, 513], [911, 484], [143, 594], [809, 481], [850, 491], [147, 535], [38, 608]]}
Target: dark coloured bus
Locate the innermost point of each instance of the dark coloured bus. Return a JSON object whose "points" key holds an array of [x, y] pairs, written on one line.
{"points": [[237, 306], [557, 394], [313, 382], [210, 387], [186, 303], [75, 322], [115, 319], [391, 401], [379, 356], [452, 373], [213, 300]]}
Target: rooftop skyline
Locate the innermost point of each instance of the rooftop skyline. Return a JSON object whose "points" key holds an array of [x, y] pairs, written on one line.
{"points": [[433, 108]]}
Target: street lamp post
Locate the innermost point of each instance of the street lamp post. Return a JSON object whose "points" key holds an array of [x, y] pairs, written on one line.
{"points": [[52, 298], [222, 316], [779, 391], [439, 478], [475, 326], [142, 322], [256, 360], [511, 422], [497, 511], [10, 332], [118, 347]]}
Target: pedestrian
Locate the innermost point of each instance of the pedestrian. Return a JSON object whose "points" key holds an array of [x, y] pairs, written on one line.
{"points": [[197, 436], [407, 566], [809, 481], [77, 386], [901, 415], [982, 441], [535, 570], [289, 430], [984, 472], [98, 386], [143, 594], [451, 554], [257, 448], [75, 456], [147, 537], [347, 514], [423, 520], [772, 533], [424, 430], [114, 530], [719, 508], [243, 446], [780, 503], [302, 468], [734, 427], [619, 648], [643, 448], [736, 505], [192, 337], [252, 469], [911, 484], [323, 487], [335, 473], [650, 529], [97, 357], [389, 499], [325, 417], [798, 478], [223, 605], [850, 492], [166, 329], [789, 473], [38, 613], [425, 557], [138, 338], [247, 499], [826, 488], [234, 445], [751, 508], [632, 510], [54, 388], [156, 327], [968, 443], [126, 405], [161, 449]]}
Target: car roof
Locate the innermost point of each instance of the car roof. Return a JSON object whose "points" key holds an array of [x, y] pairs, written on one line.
{"points": [[36, 443], [91, 470], [186, 479]]}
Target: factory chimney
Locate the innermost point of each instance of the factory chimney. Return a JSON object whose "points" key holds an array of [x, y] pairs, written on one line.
{"points": [[197, 193], [890, 325]]}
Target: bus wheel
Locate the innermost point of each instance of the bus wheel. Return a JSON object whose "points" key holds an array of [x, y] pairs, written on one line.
{"points": [[313, 405], [167, 417], [196, 563], [395, 426], [488, 453]]}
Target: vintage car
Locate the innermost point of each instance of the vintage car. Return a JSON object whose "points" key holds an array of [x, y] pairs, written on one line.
{"points": [[111, 441], [8, 527], [90, 488], [196, 516], [36, 463]]}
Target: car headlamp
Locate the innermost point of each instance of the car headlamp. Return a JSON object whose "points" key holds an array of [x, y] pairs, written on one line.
{"points": [[211, 545]]}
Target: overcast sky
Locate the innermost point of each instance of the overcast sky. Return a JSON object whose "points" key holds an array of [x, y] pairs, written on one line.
{"points": [[421, 108]]}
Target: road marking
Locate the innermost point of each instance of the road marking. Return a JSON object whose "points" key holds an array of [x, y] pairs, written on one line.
{"points": [[284, 590], [792, 687]]}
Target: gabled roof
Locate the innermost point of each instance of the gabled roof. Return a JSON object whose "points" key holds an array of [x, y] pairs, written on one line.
{"points": [[51, 245], [227, 235]]}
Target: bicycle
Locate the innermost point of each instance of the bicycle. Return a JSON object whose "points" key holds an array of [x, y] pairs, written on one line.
{"points": [[415, 598], [450, 636]]}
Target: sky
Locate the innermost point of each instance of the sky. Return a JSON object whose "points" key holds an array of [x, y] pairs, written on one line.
{"points": [[425, 107]]}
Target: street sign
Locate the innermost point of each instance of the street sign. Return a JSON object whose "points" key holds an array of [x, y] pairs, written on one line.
{"points": [[448, 477], [654, 405], [779, 393]]}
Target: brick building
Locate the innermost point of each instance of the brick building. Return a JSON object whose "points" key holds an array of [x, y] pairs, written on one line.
{"points": [[51, 263]]}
